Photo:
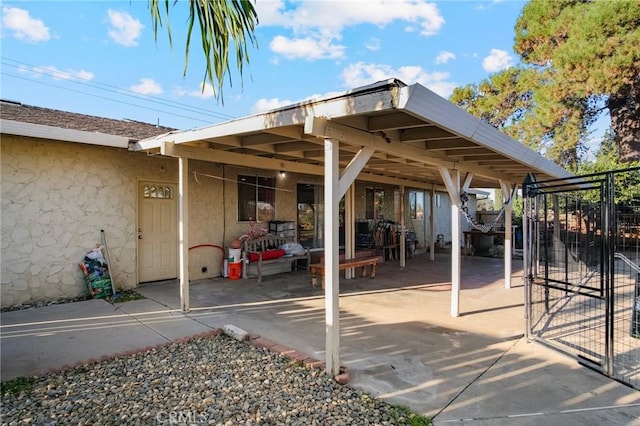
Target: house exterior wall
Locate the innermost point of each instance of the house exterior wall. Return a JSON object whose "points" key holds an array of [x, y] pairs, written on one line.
{"points": [[57, 196], [285, 200], [443, 217], [206, 227], [422, 227]]}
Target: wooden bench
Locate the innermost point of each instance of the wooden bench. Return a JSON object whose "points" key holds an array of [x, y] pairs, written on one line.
{"points": [[259, 247], [362, 262]]}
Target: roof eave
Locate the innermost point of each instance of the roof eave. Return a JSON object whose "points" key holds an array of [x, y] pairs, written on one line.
{"points": [[378, 96], [18, 128], [422, 102]]}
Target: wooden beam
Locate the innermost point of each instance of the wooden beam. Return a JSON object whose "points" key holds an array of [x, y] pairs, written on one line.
{"points": [[482, 160], [467, 181], [232, 158], [294, 132], [263, 139], [236, 159], [296, 146], [396, 120], [457, 143], [479, 151], [321, 127], [425, 133], [353, 169], [225, 141], [453, 188]]}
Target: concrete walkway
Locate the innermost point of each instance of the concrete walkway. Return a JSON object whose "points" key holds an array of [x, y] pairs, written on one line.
{"points": [[398, 340]]}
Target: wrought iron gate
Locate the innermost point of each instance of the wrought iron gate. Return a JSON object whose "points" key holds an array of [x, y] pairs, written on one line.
{"points": [[582, 269]]}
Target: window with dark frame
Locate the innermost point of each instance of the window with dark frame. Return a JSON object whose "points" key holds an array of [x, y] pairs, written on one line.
{"points": [[256, 198], [416, 204], [374, 203]]}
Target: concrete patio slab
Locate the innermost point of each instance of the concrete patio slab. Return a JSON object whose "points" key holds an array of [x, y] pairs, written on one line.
{"points": [[533, 384], [38, 340], [398, 340]]}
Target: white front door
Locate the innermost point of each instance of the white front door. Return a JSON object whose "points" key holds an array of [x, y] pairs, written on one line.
{"points": [[157, 231]]}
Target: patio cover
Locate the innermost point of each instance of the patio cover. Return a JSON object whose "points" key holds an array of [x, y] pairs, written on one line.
{"points": [[387, 132]]}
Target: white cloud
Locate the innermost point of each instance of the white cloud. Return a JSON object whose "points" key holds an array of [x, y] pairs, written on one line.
{"points": [[497, 60], [147, 86], [320, 23], [313, 14], [23, 26], [361, 74], [263, 105], [179, 92], [206, 91], [56, 74], [373, 44], [444, 57], [124, 29], [306, 48]]}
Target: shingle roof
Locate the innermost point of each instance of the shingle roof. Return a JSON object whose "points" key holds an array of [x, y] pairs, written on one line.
{"points": [[70, 120]]}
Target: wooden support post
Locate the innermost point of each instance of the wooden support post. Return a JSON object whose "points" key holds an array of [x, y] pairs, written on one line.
{"points": [[432, 222], [508, 250], [456, 264], [349, 229], [453, 187], [183, 231], [403, 238], [331, 257]]}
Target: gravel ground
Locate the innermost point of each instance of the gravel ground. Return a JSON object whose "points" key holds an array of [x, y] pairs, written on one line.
{"points": [[212, 380]]}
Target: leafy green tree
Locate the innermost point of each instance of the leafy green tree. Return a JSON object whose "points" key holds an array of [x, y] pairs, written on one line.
{"points": [[505, 100], [607, 159], [589, 52], [580, 59], [226, 27]]}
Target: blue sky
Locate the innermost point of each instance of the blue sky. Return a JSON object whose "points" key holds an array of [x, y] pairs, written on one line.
{"points": [[100, 57]]}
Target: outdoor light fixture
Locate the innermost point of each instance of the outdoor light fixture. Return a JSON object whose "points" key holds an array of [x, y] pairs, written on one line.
{"points": [[282, 173]]}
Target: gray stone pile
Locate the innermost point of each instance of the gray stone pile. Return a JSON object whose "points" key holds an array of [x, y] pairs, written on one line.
{"points": [[210, 380]]}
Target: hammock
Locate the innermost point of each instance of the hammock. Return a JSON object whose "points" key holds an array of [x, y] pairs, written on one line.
{"points": [[483, 227]]}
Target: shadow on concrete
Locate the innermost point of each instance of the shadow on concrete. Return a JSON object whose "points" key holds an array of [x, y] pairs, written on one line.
{"points": [[398, 340], [400, 343]]}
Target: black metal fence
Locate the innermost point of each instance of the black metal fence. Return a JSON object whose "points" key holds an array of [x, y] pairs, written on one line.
{"points": [[582, 269]]}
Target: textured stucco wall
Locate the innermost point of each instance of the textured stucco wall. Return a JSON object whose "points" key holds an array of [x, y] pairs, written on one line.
{"points": [[57, 196], [206, 224]]}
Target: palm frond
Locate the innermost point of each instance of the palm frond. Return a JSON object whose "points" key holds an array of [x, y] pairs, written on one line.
{"points": [[224, 25]]}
